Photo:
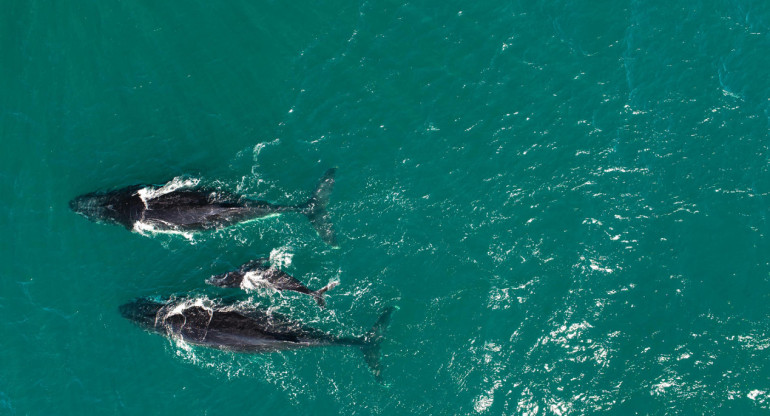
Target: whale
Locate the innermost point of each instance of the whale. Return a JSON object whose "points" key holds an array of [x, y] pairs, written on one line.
{"points": [[256, 273], [246, 329], [177, 208]]}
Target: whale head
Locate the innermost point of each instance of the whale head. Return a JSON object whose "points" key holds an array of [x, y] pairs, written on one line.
{"points": [[117, 207], [94, 206], [142, 312], [231, 279]]}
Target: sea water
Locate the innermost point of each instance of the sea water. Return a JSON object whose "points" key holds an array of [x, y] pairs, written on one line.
{"points": [[567, 200]]}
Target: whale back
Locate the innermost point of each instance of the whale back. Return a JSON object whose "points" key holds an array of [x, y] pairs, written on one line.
{"points": [[237, 330], [195, 210]]}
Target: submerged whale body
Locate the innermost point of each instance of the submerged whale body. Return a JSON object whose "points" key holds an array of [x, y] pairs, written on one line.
{"points": [[206, 323], [167, 209], [256, 273]]}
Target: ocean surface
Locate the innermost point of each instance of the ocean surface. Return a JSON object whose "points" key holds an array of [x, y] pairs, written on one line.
{"points": [[566, 200]]}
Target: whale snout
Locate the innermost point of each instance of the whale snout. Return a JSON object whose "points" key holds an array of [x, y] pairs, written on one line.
{"points": [[141, 311], [127, 311], [91, 206], [83, 204], [217, 281], [230, 279], [80, 204]]}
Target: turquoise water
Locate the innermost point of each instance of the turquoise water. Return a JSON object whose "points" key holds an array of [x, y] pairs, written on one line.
{"points": [[568, 202]]}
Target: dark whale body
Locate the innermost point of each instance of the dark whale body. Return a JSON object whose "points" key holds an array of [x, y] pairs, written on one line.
{"points": [[197, 209], [237, 329], [271, 276]]}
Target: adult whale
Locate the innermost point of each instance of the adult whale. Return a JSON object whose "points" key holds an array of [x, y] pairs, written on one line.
{"points": [[230, 327], [166, 208], [257, 273]]}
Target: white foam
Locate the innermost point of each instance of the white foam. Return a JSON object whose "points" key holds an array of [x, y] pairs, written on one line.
{"points": [[261, 146], [250, 220], [660, 388], [184, 348], [281, 257], [254, 280], [178, 308], [179, 182], [148, 193], [483, 402], [204, 303], [276, 369], [144, 228]]}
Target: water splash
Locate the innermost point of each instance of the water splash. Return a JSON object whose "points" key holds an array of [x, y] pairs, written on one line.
{"points": [[145, 228], [179, 182], [281, 257]]}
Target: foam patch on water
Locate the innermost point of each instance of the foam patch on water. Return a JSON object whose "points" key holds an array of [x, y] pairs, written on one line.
{"points": [[254, 179], [281, 257], [661, 387], [488, 358], [261, 146]]}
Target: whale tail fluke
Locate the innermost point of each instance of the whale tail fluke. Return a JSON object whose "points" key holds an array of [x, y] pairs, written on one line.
{"points": [[315, 208], [319, 294], [372, 341]]}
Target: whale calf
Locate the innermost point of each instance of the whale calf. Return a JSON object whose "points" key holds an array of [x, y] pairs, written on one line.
{"points": [[257, 274], [170, 209], [236, 328]]}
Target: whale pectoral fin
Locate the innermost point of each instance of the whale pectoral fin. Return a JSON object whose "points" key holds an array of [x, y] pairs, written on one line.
{"points": [[319, 294], [315, 208]]}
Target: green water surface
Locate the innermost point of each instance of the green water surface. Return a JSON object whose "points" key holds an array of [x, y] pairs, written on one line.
{"points": [[567, 200]]}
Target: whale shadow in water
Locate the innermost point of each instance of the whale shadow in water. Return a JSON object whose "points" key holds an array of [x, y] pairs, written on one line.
{"points": [[165, 208]]}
